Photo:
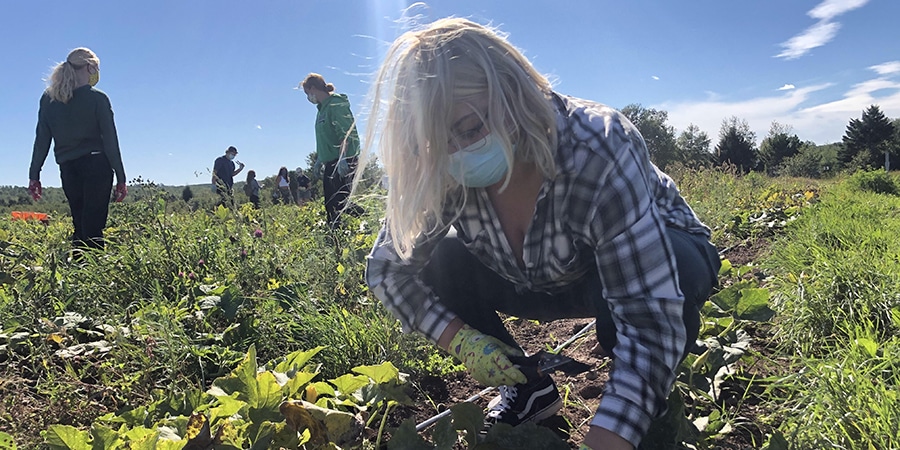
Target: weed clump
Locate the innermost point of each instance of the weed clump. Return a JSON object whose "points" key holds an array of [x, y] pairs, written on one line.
{"points": [[879, 182]]}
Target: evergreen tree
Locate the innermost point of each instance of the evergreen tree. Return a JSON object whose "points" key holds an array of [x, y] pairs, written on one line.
{"points": [[867, 141], [187, 194], [737, 145], [779, 144]]}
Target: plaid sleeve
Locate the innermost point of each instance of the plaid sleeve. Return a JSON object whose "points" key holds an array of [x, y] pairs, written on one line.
{"points": [[398, 284], [639, 276]]}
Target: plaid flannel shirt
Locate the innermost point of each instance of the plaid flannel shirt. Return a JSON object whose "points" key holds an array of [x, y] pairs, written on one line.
{"points": [[606, 210]]}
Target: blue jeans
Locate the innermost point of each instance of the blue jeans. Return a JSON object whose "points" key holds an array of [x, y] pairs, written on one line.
{"points": [[475, 293]]}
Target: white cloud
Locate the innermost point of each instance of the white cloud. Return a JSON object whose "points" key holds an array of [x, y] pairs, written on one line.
{"points": [[822, 32], [259, 127], [813, 118], [814, 36], [787, 87], [888, 68], [655, 77], [830, 9]]}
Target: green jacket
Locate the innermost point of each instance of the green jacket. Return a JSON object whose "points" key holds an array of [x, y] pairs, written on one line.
{"points": [[81, 126], [333, 122]]}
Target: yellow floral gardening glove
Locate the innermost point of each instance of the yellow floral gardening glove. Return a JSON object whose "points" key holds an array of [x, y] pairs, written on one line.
{"points": [[486, 357]]}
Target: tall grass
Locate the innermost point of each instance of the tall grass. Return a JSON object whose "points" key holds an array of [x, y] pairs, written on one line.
{"points": [[177, 298], [837, 268], [836, 279]]}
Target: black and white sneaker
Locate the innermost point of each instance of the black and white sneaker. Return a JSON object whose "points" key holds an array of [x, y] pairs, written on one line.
{"points": [[523, 403]]}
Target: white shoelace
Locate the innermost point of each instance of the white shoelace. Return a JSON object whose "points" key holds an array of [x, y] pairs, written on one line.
{"points": [[507, 396]]}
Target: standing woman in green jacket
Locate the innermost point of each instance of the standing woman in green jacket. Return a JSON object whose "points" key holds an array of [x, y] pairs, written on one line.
{"points": [[79, 120], [337, 145]]}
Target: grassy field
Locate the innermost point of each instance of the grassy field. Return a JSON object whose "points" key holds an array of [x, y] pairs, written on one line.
{"points": [[224, 320]]}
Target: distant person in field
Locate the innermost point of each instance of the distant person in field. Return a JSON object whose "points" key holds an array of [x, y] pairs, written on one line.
{"points": [[78, 119], [556, 211], [252, 187], [283, 182], [337, 146], [223, 175], [303, 192]]}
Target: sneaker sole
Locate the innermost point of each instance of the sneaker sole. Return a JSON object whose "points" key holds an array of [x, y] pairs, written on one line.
{"points": [[545, 413]]}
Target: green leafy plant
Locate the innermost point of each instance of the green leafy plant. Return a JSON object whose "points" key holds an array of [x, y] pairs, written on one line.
{"points": [[277, 405]]}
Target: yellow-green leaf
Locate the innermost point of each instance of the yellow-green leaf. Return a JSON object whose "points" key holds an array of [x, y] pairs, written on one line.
{"points": [[65, 437], [381, 373]]}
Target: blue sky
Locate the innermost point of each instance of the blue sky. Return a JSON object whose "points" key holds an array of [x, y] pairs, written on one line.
{"points": [[189, 78]]}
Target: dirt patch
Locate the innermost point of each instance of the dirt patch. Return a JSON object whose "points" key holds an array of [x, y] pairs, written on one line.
{"points": [[580, 392], [741, 394]]}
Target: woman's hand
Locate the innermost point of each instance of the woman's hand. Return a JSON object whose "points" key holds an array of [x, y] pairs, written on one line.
{"points": [[486, 357], [121, 192], [34, 188]]}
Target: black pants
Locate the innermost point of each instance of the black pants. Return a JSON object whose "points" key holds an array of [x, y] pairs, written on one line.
{"points": [[475, 293], [226, 196], [337, 191], [87, 182]]}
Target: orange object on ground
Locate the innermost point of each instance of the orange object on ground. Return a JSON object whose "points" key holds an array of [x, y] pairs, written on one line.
{"points": [[29, 215]]}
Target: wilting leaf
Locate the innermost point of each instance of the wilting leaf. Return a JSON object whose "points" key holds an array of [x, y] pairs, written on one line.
{"points": [[197, 433], [299, 419], [144, 439], [227, 437], [343, 428]]}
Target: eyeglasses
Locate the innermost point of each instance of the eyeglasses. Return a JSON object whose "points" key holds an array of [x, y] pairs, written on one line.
{"points": [[472, 135]]}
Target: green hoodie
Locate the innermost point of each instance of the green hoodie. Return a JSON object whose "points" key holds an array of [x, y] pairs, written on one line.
{"points": [[333, 123]]}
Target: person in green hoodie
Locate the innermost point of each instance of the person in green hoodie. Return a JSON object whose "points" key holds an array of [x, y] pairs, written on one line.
{"points": [[78, 119], [337, 146]]}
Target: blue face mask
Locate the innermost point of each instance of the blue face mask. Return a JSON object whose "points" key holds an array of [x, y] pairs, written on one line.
{"points": [[480, 164]]}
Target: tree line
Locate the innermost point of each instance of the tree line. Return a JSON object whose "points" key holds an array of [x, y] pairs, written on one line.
{"points": [[870, 142]]}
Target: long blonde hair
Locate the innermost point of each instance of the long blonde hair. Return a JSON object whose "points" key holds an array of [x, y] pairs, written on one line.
{"points": [[63, 79], [425, 73]]}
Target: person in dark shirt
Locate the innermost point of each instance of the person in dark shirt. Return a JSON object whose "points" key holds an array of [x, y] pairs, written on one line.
{"points": [[224, 173], [252, 188], [303, 192], [294, 185], [78, 119]]}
